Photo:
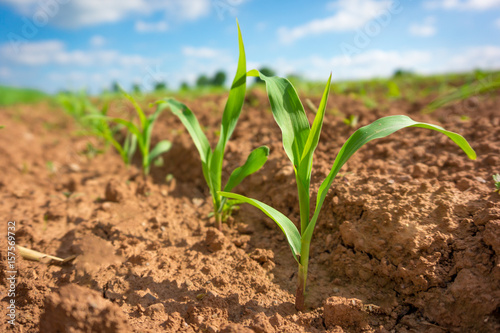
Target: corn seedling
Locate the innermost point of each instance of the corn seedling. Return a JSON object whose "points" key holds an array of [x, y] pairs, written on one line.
{"points": [[496, 179], [393, 91], [100, 127], [299, 141], [211, 160], [141, 135], [77, 105], [465, 91], [96, 123], [351, 121]]}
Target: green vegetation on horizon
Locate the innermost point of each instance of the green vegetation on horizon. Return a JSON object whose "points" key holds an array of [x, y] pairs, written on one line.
{"points": [[12, 95]]}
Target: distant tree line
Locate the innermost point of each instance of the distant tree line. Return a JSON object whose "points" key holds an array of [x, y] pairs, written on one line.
{"points": [[203, 81], [217, 80]]}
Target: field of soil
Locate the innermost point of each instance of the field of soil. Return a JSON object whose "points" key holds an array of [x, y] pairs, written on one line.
{"points": [[408, 239]]}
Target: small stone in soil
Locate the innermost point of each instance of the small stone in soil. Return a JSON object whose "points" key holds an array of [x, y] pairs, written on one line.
{"points": [[245, 229], [150, 298], [215, 240]]}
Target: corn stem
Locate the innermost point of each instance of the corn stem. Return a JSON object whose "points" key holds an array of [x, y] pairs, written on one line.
{"points": [[302, 278], [218, 219]]}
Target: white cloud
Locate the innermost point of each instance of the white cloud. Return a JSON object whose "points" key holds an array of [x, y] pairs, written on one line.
{"points": [[55, 52], [462, 4], [78, 13], [497, 23], [142, 26], [383, 63], [32, 54], [484, 57], [97, 41], [372, 63], [350, 15], [5, 72], [424, 29], [201, 52], [261, 26]]}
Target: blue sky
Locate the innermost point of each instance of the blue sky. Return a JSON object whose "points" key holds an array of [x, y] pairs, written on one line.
{"points": [[72, 44]]}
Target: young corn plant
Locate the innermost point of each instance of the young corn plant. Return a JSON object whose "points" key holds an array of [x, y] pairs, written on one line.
{"points": [[496, 179], [299, 141], [100, 127], [211, 160], [139, 135], [484, 86]]}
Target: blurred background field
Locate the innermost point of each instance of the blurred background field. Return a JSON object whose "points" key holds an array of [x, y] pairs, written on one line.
{"points": [[190, 46]]}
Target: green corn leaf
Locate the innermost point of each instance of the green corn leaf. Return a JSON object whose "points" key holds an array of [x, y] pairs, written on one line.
{"points": [[230, 117], [314, 134], [289, 229], [306, 160], [129, 147], [463, 92], [192, 125], [378, 129], [147, 131], [160, 148], [130, 127], [138, 109], [289, 114], [236, 97], [254, 162]]}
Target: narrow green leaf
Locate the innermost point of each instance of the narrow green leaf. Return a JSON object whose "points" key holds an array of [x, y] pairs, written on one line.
{"points": [[313, 138], [160, 148], [463, 92], [304, 169], [148, 129], [254, 162], [378, 129], [289, 229], [236, 97], [253, 72], [130, 126], [230, 117], [138, 109], [289, 114], [129, 146], [192, 125]]}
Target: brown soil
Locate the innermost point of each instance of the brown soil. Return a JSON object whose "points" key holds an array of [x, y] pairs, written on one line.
{"points": [[408, 239]]}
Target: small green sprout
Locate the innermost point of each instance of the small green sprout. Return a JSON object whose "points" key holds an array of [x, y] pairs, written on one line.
{"points": [[91, 151], [101, 128], [351, 121], [96, 123], [142, 134], [393, 91], [299, 141], [138, 135], [496, 179], [211, 160], [465, 91], [51, 167]]}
